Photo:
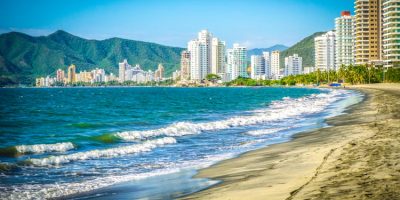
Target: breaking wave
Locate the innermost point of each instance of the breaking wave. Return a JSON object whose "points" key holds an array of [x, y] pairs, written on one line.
{"points": [[278, 110], [108, 153], [36, 149]]}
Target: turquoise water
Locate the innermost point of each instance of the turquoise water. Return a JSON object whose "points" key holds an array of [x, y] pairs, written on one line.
{"points": [[63, 141]]}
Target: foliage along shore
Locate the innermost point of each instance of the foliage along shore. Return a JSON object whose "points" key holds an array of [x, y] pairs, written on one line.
{"points": [[353, 75]]}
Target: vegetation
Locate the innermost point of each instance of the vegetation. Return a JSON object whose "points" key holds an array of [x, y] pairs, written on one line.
{"points": [[23, 57], [213, 77], [241, 81], [346, 74]]}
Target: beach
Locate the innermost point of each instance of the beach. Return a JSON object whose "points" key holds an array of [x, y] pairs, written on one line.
{"points": [[355, 157]]}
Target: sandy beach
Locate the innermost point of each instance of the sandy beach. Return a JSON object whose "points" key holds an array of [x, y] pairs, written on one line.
{"points": [[356, 157]]}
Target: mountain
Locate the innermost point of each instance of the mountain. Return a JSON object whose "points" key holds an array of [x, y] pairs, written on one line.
{"points": [[23, 57], [259, 51], [305, 49]]}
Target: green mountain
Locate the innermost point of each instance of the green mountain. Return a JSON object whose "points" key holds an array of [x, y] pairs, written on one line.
{"points": [[259, 51], [305, 49], [23, 57]]}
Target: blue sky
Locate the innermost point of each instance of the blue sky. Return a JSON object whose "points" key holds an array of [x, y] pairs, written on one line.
{"points": [[254, 23]]}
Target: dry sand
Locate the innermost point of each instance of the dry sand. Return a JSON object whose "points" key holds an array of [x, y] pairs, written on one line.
{"points": [[358, 157]]}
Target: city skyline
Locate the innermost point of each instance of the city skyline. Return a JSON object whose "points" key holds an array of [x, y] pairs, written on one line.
{"points": [[266, 23]]}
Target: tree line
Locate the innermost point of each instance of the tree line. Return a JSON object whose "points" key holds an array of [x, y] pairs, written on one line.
{"points": [[352, 74]]}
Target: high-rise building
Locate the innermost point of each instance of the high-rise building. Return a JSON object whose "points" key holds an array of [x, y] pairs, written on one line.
{"points": [[217, 56], [257, 67], [71, 74], [275, 65], [368, 31], [60, 75], [207, 55], [267, 64], [229, 64], [200, 56], [344, 39], [123, 66], [238, 62], [159, 73], [391, 33], [325, 51], [293, 65], [196, 68], [185, 65]]}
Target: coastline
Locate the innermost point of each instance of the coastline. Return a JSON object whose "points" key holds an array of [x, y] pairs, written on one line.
{"points": [[354, 158]]}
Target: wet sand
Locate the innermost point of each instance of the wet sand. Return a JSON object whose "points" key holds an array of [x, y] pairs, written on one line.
{"points": [[357, 157]]}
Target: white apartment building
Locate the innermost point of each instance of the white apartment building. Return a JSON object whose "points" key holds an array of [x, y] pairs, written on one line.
{"points": [[344, 29], [307, 70], [238, 62], [293, 65], [325, 51], [136, 74], [267, 64], [257, 67], [200, 56], [391, 33], [275, 65], [122, 68], [228, 65], [217, 56]]}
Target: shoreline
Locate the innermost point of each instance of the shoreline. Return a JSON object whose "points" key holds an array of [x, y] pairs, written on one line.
{"points": [[318, 164]]}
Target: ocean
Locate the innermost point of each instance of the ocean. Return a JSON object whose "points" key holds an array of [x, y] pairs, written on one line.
{"points": [[143, 142]]}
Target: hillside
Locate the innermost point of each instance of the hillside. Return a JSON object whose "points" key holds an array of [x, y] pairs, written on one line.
{"points": [[23, 57], [259, 51], [305, 49]]}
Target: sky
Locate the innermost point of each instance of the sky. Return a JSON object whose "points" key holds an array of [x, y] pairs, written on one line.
{"points": [[253, 23]]}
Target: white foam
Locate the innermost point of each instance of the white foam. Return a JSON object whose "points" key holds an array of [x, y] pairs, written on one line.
{"points": [[278, 110], [42, 148], [264, 131], [94, 154], [47, 191]]}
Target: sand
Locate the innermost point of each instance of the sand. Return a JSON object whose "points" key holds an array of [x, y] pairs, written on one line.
{"points": [[357, 157]]}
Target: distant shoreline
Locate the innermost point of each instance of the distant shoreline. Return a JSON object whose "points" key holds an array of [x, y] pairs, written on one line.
{"points": [[170, 86]]}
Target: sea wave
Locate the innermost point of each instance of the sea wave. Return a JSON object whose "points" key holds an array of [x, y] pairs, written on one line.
{"points": [[277, 110], [15, 151], [60, 190], [42, 148], [108, 153]]}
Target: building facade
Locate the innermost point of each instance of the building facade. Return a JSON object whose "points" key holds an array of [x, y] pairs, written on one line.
{"points": [[267, 64], [200, 56], [257, 67], [368, 31], [122, 67], [206, 55], [71, 74], [391, 33], [159, 73], [325, 52], [238, 62], [344, 39], [185, 65], [275, 65], [217, 56], [293, 65], [60, 76]]}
